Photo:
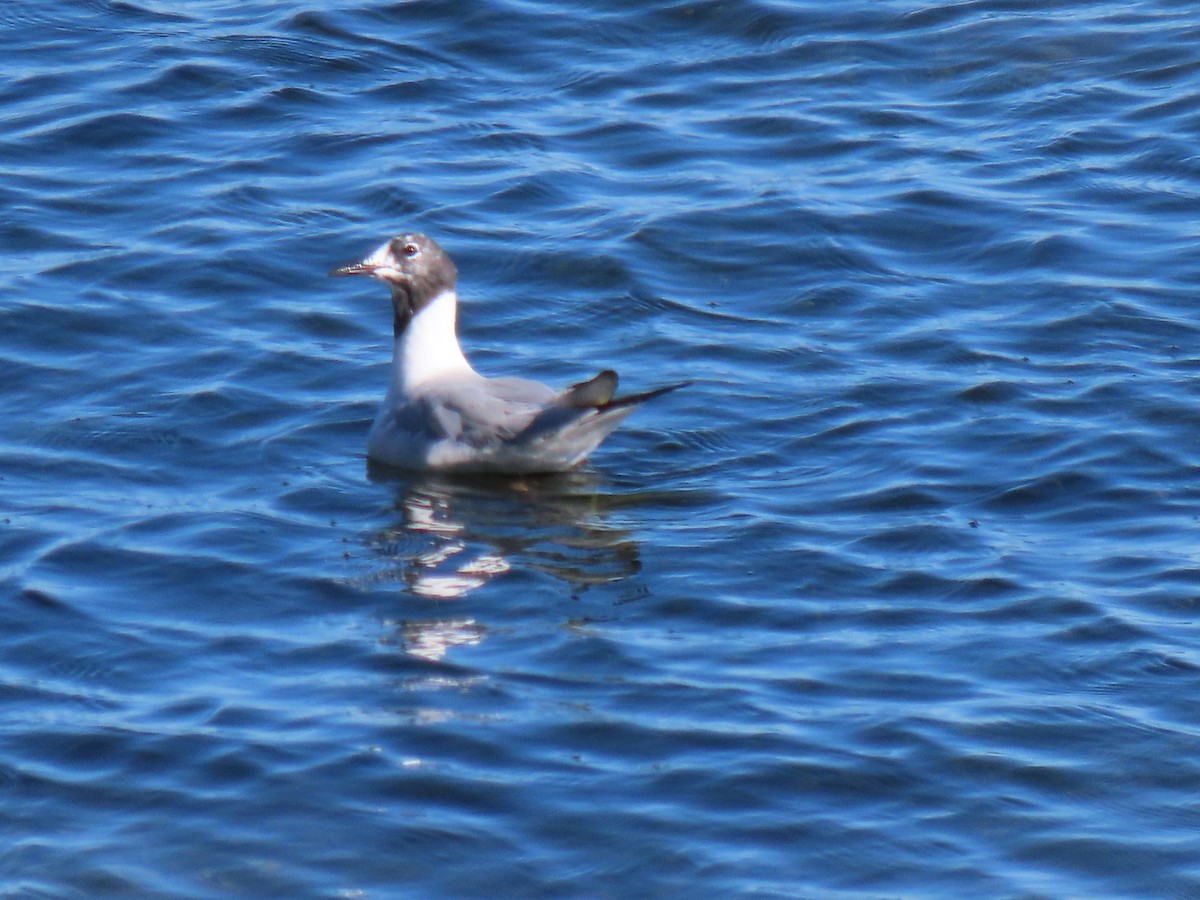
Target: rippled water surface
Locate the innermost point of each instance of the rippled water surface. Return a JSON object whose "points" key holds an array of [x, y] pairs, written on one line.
{"points": [[898, 599]]}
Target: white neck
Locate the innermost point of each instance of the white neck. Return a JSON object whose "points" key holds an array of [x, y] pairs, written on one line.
{"points": [[428, 347]]}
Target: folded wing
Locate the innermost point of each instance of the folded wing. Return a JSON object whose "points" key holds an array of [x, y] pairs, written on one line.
{"points": [[514, 425]]}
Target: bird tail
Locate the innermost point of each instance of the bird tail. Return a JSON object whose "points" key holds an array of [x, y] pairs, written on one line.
{"points": [[567, 431], [597, 393]]}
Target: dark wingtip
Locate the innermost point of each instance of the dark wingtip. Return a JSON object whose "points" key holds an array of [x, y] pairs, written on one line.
{"points": [[634, 399]]}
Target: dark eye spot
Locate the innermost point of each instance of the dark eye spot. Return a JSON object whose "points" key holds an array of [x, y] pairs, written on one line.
{"points": [[411, 249]]}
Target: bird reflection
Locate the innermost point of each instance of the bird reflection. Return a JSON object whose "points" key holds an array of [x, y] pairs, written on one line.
{"points": [[452, 536], [431, 640]]}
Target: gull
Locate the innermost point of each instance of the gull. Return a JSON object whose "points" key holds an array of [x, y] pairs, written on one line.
{"points": [[440, 414]]}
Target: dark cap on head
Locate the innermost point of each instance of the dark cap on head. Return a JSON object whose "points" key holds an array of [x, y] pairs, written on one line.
{"points": [[414, 267]]}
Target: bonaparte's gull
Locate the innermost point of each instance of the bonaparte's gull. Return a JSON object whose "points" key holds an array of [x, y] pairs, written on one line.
{"points": [[439, 413]]}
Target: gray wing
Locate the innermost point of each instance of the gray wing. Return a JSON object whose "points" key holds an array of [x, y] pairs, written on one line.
{"points": [[515, 425], [522, 411], [481, 413], [489, 412]]}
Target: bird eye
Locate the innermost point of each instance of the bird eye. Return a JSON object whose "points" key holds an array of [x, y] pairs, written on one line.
{"points": [[411, 249]]}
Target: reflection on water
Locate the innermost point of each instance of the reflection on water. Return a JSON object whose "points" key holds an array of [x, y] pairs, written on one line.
{"points": [[431, 640], [452, 536]]}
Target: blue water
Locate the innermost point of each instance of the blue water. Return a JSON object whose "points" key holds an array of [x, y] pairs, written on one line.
{"points": [[899, 599]]}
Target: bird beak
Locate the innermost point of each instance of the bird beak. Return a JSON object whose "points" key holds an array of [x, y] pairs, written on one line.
{"points": [[358, 268]]}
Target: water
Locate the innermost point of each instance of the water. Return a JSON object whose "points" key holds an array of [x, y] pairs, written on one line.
{"points": [[898, 599]]}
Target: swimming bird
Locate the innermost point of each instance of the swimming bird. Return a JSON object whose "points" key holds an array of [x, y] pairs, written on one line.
{"points": [[440, 414]]}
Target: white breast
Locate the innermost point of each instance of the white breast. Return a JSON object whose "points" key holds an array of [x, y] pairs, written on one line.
{"points": [[428, 348]]}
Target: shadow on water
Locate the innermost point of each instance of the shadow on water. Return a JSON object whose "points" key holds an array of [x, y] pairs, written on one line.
{"points": [[454, 535]]}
